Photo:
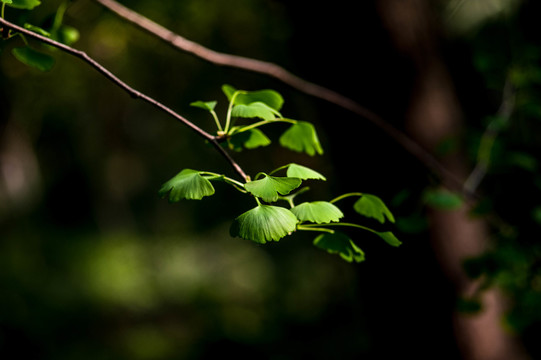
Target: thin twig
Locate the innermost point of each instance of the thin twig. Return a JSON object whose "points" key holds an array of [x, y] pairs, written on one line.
{"points": [[503, 116], [131, 91], [288, 78]]}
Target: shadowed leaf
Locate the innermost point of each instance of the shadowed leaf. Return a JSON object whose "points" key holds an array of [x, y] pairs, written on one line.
{"points": [[373, 207], [33, 58], [338, 243]]}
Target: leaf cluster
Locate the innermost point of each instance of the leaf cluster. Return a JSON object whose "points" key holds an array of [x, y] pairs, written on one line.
{"points": [[277, 212]]}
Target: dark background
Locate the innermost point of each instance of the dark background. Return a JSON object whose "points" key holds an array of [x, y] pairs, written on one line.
{"points": [[94, 265]]}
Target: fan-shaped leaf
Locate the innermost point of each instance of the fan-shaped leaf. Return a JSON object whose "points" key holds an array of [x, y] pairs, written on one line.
{"points": [[188, 184], [269, 97], [319, 212], [270, 187], [255, 110], [304, 173], [302, 137], [338, 243], [33, 58], [373, 207], [249, 139], [389, 238], [264, 223]]}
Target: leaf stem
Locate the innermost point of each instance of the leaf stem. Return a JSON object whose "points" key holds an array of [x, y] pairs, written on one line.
{"points": [[264, 122], [230, 109], [308, 227]]}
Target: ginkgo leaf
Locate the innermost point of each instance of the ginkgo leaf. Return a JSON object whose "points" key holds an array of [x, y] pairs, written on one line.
{"points": [[22, 4], [304, 173], [33, 58], [373, 207], [270, 187], [267, 96], [188, 184], [37, 29], [255, 110], [264, 223], [338, 243], [205, 105], [249, 139], [302, 137], [389, 238], [319, 212]]}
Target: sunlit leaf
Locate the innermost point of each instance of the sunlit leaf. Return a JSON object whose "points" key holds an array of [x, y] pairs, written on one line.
{"points": [[33, 58], [249, 139], [205, 105], [269, 97], [338, 243], [319, 212], [255, 110], [442, 199], [188, 184], [302, 137], [22, 4], [264, 223], [373, 207], [302, 172], [270, 187]]}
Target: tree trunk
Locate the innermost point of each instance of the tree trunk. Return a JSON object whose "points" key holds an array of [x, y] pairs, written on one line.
{"points": [[433, 116]]}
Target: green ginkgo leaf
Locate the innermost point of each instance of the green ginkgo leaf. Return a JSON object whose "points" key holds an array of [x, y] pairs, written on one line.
{"points": [[373, 207], [302, 137], [33, 58], [304, 173], [270, 187], [188, 184], [267, 96], [37, 29], [249, 139], [264, 223], [338, 243], [205, 105], [255, 110], [389, 238], [320, 212], [22, 4]]}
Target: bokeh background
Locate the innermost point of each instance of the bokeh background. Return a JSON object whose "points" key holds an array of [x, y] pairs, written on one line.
{"points": [[94, 265]]}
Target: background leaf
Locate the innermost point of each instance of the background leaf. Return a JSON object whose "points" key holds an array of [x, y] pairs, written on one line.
{"points": [[23, 4], [442, 199], [264, 223], [338, 243], [33, 58]]}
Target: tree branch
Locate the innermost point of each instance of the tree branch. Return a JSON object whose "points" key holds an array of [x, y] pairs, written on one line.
{"points": [[131, 91], [290, 79]]}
